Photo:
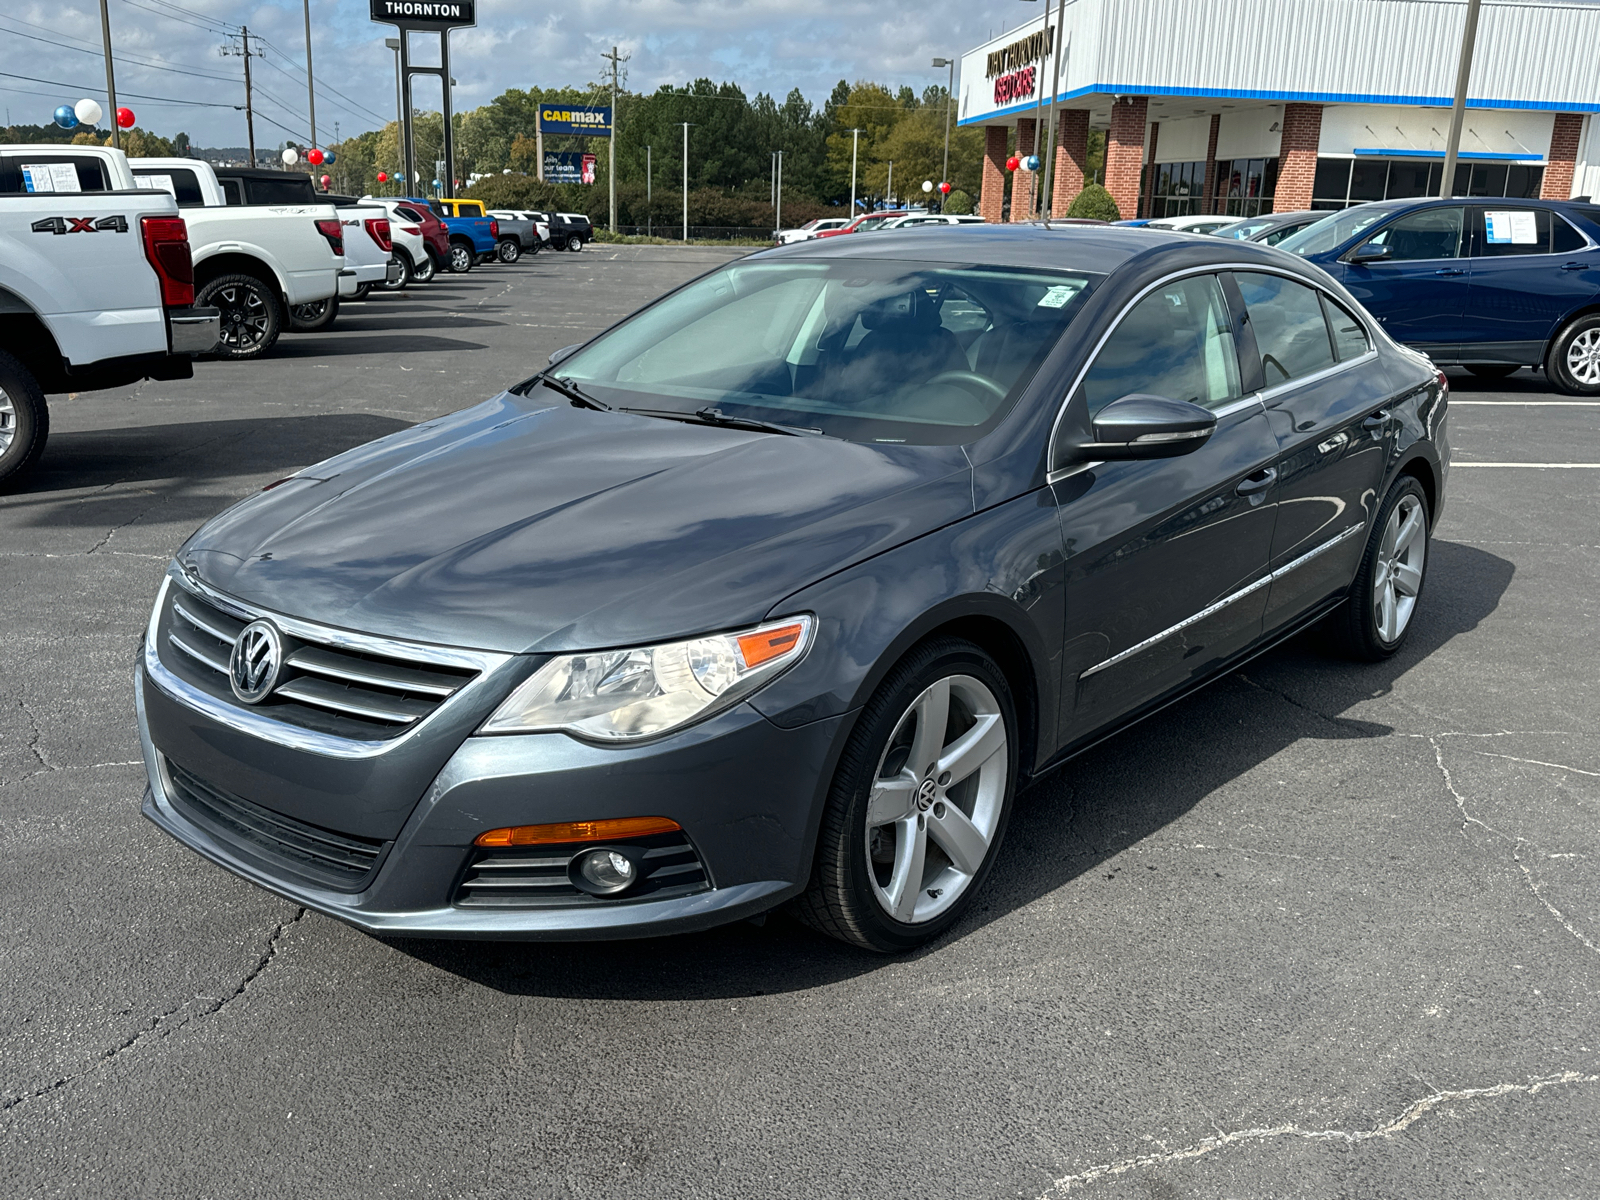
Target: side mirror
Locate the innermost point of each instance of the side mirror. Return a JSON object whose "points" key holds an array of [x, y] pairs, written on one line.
{"points": [[1369, 253], [563, 353], [1140, 426]]}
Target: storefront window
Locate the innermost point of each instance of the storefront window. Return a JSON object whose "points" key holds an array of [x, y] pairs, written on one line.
{"points": [[1247, 186], [1179, 189], [1341, 182]]}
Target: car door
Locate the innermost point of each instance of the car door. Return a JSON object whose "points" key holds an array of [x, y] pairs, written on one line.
{"points": [[1324, 395], [1419, 290], [1165, 558], [1529, 269]]}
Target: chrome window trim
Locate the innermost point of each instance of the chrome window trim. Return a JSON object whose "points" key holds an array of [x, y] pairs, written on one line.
{"points": [[1219, 605], [258, 724], [1054, 474], [1277, 389]]}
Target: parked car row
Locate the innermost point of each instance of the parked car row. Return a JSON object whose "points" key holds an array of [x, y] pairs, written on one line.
{"points": [[186, 259], [825, 227]]}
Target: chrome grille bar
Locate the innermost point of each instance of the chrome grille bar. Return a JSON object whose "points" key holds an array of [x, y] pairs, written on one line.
{"points": [[384, 675], [357, 702]]}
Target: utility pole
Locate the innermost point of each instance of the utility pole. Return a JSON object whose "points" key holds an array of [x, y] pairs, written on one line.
{"points": [[1458, 110], [888, 188], [1048, 201], [686, 183], [311, 90], [777, 208], [111, 82], [948, 98], [242, 50], [611, 159], [649, 194], [855, 139]]}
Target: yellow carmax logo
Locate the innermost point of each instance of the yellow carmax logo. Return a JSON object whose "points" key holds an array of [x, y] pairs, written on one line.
{"points": [[578, 117]]}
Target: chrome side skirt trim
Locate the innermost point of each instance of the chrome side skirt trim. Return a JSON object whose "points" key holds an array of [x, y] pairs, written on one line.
{"points": [[1219, 605]]}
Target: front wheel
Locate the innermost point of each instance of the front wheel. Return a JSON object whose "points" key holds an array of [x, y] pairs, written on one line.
{"points": [[251, 315], [510, 250], [462, 258], [24, 421], [574, 243], [315, 315], [919, 802], [1574, 361], [1374, 622]]}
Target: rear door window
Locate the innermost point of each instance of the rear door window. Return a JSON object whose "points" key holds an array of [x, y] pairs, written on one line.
{"points": [[1291, 331], [1508, 232], [1564, 239], [180, 181], [1349, 335], [231, 192], [39, 173]]}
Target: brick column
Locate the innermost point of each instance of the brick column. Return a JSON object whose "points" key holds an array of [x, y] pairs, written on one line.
{"points": [[1297, 156], [1072, 159], [1147, 202], [992, 191], [1125, 153], [1562, 160], [1024, 182], [1208, 196]]}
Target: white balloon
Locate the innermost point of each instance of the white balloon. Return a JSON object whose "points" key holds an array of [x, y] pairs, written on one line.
{"points": [[927, 185], [88, 111], [290, 158]]}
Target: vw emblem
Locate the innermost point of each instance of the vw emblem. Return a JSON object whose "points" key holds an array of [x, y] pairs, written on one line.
{"points": [[255, 662], [925, 795]]}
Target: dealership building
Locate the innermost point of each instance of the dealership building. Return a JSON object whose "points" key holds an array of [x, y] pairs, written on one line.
{"points": [[1249, 106]]}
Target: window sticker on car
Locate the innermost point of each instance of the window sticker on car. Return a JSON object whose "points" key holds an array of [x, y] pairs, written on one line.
{"points": [[1510, 228], [1058, 296], [50, 177], [156, 183]]}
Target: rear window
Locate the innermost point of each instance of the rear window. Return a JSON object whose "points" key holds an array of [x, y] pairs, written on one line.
{"points": [[180, 181], [410, 214], [281, 191], [36, 173]]}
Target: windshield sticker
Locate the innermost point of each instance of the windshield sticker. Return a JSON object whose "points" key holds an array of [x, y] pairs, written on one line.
{"points": [[1057, 297], [1511, 228], [50, 177]]}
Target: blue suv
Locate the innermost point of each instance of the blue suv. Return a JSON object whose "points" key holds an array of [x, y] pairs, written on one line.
{"points": [[1491, 285]]}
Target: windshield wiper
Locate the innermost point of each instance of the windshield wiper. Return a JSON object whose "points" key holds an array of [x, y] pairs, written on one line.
{"points": [[715, 416], [574, 393]]}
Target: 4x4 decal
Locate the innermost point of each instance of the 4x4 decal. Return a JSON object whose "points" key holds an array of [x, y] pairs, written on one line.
{"points": [[117, 224]]}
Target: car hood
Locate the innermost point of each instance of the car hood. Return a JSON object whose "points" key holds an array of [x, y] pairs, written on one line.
{"points": [[521, 526]]}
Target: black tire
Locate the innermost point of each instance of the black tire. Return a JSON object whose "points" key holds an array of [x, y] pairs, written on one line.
{"points": [[574, 243], [363, 290], [399, 284], [313, 317], [424, 271], [842, 899], [533, 249], [24, 422], [558, 243], [462, 258], [1493, 370], [1355, 625], [252, 315], [509, 250], [1573, 363]]}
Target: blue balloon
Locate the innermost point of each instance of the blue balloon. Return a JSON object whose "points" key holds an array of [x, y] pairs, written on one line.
{"points": [[65, 117], [399, 176], [1031, 162], [328, 156], [437, 184]]}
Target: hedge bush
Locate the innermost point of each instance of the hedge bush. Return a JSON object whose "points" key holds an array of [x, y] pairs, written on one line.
{"points": [[1096, 203]]}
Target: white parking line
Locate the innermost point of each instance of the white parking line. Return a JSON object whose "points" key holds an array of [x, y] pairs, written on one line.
{"points": [[1536, 466], [1527, 403]]}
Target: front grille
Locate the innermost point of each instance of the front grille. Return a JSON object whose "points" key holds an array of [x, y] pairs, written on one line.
{"points": [[536, 876], [332, 689], [320, 856]]}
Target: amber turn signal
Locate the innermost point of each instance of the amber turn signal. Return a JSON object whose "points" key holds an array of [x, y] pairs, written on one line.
{"points": [[758, 648], [577, 831]]}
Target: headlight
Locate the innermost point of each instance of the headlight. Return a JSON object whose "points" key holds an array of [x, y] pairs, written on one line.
{"points": [[626, 695]]}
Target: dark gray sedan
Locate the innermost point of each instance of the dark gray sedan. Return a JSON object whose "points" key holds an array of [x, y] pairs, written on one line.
{"points": [[776, 592]]}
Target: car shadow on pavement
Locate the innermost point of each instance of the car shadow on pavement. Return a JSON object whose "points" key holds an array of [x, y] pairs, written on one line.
{"points": [[1065, 826], [189, 453], [332, 344]]}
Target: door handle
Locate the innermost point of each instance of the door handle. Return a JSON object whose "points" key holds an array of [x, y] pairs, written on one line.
{"points": [[1377, 420], [1260, 481], [1333, 443], [1450, 271], [1573, 266]]}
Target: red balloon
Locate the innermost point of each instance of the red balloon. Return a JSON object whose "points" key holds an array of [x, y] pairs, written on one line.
{"points": [[1013, 163], [314, 157], [326, 181], [383, 177], [945, 188], [125, 118]]}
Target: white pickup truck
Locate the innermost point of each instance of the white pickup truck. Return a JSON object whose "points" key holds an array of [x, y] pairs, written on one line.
{"points": [[96, 290]]}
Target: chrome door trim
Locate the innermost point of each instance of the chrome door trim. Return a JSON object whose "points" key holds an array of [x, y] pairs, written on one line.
{"points": [[1219, 605], [1277, 389]]}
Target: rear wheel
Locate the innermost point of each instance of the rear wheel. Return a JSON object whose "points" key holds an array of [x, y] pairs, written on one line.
{"points": [[462, 258], [574, 243], [426, 269], [363, 290], [1374, 622], [252, 318], [315, 315], [404, 276], [24, 421], [1493, 370], [1573, 364], [919, 802], [510, 250]]}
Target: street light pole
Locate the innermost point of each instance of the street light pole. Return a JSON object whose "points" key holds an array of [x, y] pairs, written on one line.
{"points": [[111, 82], [1458, 110], [611, 153], [311, 87], [1047, 203], [686, 183], [777, 215], [949, 98], [649, 181], [855, 140]]}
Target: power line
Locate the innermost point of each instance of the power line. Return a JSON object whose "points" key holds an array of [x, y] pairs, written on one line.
{"points": [[321, 88], [121, 58], [78, 87], [213, 25]]}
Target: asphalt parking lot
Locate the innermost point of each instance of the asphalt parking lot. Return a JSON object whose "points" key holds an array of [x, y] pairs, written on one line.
{"points": [[1319, 931]]}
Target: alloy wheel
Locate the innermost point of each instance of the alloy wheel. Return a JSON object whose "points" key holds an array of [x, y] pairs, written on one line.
{"points": [[311, 312], [8, 421], [460, 259], [1397, 574], [1583, 357], [245, 319], [937, 799]]}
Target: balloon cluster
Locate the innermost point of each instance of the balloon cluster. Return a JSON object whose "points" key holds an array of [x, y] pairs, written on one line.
{"points": [[86, 112]]}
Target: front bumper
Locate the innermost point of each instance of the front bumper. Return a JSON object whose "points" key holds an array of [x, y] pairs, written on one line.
{"points": [[194, 330], [747, 793]]}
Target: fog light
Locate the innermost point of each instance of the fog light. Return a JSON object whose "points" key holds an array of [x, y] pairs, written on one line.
{"points": [[604, 872]]}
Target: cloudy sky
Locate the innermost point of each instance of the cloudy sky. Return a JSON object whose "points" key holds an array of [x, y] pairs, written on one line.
{"points": [[170, 72]]}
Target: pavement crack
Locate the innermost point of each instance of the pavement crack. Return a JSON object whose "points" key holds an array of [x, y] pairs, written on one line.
{"points": [[1536, 762], [1413, 1113], [158, 1026]]}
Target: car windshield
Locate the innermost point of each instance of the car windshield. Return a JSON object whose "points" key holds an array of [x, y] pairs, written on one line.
{"points": [[1334, 231], [868, 350], [1244, 230]]}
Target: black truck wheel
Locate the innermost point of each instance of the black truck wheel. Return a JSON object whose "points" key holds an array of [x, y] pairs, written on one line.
{"points": [[24, 421]]}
